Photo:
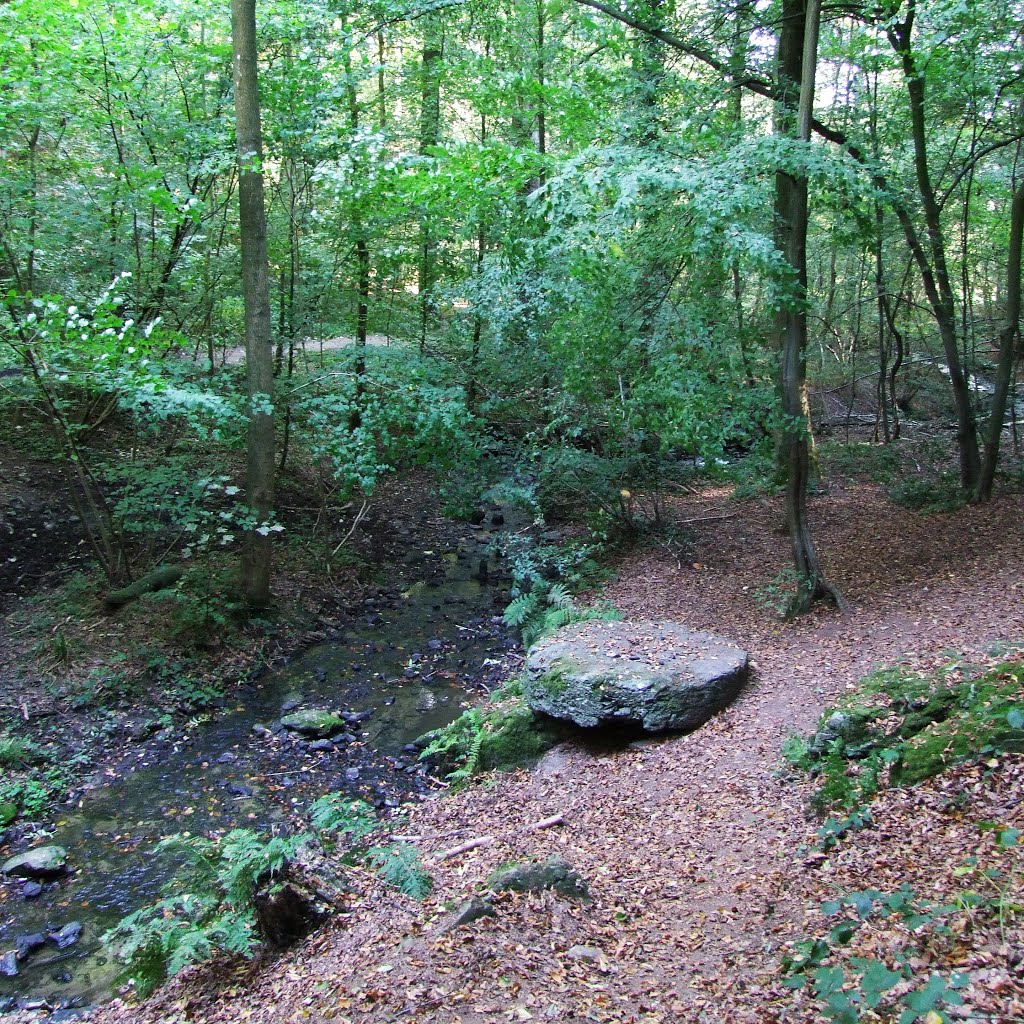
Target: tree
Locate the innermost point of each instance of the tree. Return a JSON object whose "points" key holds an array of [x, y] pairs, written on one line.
{"points": [[259, 353], [798, 48]]}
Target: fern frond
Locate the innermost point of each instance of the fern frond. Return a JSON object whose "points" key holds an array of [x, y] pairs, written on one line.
{"points": [[520, 609], [400, 866]]}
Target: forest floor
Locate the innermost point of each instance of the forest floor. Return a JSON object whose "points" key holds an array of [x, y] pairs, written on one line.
{"points": [[702, 860]]}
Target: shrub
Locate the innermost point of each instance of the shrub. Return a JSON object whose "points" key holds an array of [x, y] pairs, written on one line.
{"points": [[930, 494]]}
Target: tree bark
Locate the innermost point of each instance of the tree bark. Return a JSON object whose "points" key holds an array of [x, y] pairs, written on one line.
{"points": [[1008, 341], [430, 131], [798, 47], [935, 273], [259, 353]]}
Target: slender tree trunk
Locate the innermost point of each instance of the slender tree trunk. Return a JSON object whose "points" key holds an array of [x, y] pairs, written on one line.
{"points": [[1009, 338], [935, 273], [798, 47], [430, 129], [259, 352], [362, 249]]}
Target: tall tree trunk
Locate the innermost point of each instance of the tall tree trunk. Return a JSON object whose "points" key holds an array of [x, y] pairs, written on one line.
{"points": [[935, 272], [798, 47], [430, 130], [1009, 338], [259, 353]]}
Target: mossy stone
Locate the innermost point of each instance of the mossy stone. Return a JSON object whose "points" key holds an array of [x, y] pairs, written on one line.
{"points": [[314, 724], [42, 862]]}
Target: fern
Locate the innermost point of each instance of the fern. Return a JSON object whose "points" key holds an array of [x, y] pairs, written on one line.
{"points": [[521, 609], [400, 866], [469, 767], [353, 819], [209, 906]]}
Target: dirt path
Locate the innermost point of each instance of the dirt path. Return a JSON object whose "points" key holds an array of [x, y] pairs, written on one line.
{"points": [[308, 350], [692, 846]]}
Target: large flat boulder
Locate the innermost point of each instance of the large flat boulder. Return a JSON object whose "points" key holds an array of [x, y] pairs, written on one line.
{"points": [[657, 675]]}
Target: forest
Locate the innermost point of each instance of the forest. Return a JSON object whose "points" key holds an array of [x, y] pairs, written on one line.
{"points": [[352, 357]]}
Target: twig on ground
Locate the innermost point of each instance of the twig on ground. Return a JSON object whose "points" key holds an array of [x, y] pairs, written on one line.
{"points": [[472, 844]]}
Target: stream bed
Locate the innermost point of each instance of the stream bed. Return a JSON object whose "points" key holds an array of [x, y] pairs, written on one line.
{"points": [[411, 657]]}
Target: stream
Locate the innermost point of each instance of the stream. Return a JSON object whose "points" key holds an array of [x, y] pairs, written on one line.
{"points": [[412, 656]]}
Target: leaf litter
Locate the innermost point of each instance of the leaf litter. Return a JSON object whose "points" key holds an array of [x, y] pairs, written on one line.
{"points": [[703, 862]]}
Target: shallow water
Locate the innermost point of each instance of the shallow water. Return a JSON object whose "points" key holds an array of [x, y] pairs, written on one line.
{"points": [[413, 657]]}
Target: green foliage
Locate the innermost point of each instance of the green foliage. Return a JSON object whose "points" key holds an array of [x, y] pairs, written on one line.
{"points": [[543, 578], [403, 412], [536, 615], [756, 473], [851, 988], [203, 609], [35, 774], [349, 818], [500, 735], [400, 866], [942, 493], [878, 462], [901, 727], [778, 595], [208, 907], [17, 751]]}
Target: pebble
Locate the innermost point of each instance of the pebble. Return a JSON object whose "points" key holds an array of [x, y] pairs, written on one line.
{"points": [[352, 774], [26, 945], [30, 890], [66, 936], [9, 964], [227, 757], [321, 745]]}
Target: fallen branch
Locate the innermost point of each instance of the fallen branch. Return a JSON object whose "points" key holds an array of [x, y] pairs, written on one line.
{"points": [[706, 519], [472, 844], [469, 844], [555, 819], [360, 515], [159, 579]]}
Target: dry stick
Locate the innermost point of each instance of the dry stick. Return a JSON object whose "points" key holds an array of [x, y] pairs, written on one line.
{"points": [[472, 844], [469, 844], [355, 522], [707, 519], [555, 819]]}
